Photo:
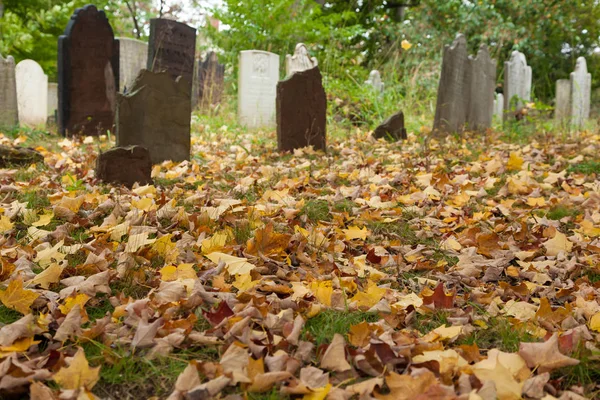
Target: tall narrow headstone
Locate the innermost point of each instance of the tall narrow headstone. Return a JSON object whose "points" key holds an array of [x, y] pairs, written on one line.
{"points": [[562, 103], [301, 111], [133, 56], [581, 92], [375, 81], [172, 48], [156, 114], [517, 83], [453, 90], [300, 61], [257, 83], [9, 115], [88, 74], [211, 76], [481, 90], [499, 105], [32, 93], [52, 100]]}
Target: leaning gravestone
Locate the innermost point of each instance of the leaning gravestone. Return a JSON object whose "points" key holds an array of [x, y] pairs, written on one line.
{"points": [[517, 83], [392, 128], [32, 93], [211, 76], [172, 48], [300, 61], [125, 165], [375, 81], [88, 74], [9, 114], [52, 100], [481, 90], [133, 56], [581, 91], [562, 103], [301, 111], [155, 113], [257, 84]]}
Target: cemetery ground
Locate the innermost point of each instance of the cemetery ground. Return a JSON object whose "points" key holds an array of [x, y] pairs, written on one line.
{"points": [[409, 270]]}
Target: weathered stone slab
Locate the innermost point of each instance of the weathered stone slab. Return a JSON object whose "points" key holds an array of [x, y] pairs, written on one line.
{"points": [[375, 81], [88, 74], [125, 165], [52, 100], [454, 89], [562, 106], [481, 90], [156, 113], [300, 61], [133, 56], [392, 128], [32, 93], [499, 105], [517, 84], [211, 76], [581, 92], [9, 114], [257, 85], [12, 156], [172, 48], [301, 111]]}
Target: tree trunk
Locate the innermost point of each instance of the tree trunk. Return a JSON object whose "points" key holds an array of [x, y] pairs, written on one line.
{"points": [[133, 11]]}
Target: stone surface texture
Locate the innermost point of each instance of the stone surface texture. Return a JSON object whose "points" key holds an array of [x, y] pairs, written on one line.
{"points": [[392, 128], [88, 74], [133, 56], [581, 92], [125, 166], [156, 113], [32, 93], [517, 84], [211, 76], [52, 99], [301, 111], [300, 61], [481, 90], [375, 81], [257, 85], [499, 105], [562, 104], [9, 114], [12, 156]]}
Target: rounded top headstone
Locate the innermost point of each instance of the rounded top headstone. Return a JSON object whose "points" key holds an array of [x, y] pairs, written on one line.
{"points": [[30, 66]]}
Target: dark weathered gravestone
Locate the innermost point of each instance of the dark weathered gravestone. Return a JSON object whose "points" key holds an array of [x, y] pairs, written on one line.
{"points": [[88, 74], [172, 48], [155, 113], [125, 165], [481, 90], [211, 75], [301, 111], [392, 128], [11, 156]]}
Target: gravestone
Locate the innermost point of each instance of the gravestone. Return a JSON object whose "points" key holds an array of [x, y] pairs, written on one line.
{"points": [[375, 81], [301, 111], [517, 83], [32, 93], [392, 128], [300, 61], [562, 104], [52, 100], [581, 91], [172, 48], [211, 77], [499, 105], [156, 113], [125, 165], [133, 56], [454, 88], [88, 74], [481, 90], [257, 85], [9, 114]]}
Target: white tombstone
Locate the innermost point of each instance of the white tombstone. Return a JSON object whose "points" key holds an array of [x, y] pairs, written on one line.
{"points": [[517, 83], [52, 99], [133, 56], [32, 93], [375, 81], [562, 102], [581, 91], [499, 105], [300, 61], [9, 116], [257, 88]]}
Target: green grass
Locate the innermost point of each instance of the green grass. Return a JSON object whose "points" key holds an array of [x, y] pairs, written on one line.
{"points": [[427, 322], [98, 307], [344, 205], [500, 334], [8, 315], [242, 232], [586, 373], [586, 167], [316, 210], [35, 199], [272, 395], [321, 328], [560, 212], [396, 230]]}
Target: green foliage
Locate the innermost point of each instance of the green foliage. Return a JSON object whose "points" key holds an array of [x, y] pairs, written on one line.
{"points": [[327, 323]]}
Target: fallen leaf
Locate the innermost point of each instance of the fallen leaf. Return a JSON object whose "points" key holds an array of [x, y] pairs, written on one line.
{"points": [[78, 374], [17, 298], [545, 357]]}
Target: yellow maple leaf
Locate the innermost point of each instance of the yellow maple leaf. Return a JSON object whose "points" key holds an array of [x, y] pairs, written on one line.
{"points": [[165, 248], [71, 301], [595, 322], [18, 346], [450, 332], [588, 228], [322, 290], [78, 374], [72, 203], [514, 162], [215, 243], [144, 204], [183, 271], [48, 276], [405, 44], [5, 224], [369, 297], [536, 202], [44, 219], [244, 282], [234, 265], [17, 298], [137, 241], [354, 232], [559, 243], [46, 256], [318, 394]]}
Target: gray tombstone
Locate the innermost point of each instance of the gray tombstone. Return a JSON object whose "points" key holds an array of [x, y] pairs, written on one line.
{"points": [[581, 91], [562, 103], [300, 61], [172, 48], [133, 55], [32, 93], [499, 105], [156, 113], [88, 74], [9, 114], [52, 100], [453, 90], [211, 76], [125, 165], [257, 88], [517, 83], [481, 91], [375, 81]]}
